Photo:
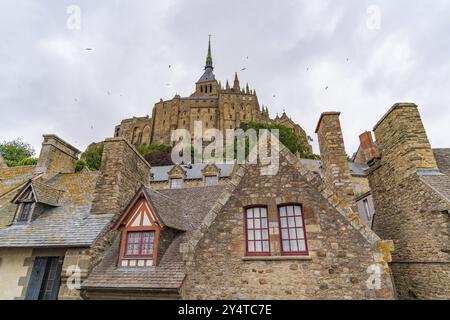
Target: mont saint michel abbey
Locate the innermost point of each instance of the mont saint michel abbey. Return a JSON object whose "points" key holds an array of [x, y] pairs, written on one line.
{"points": [[213, 104]]}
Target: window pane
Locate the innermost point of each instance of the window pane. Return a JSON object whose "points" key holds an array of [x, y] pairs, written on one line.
{"points": [[283, 211], [291, 222], [283, 222], [301, 246], [285, 234], [258, 246], [250, 224], [264, 223], [265, 234], [290, 211], [300, 233], [294, 246], [292, 234], [257, 224], [256, 212], [250, 235], [286, 247], [266, 247], [249, 213], [263, 212], [297, 210], [251, 246], [257, 234], [298, 221]]}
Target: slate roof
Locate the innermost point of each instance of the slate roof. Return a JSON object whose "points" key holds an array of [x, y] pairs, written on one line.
{"points": [[356, 169], [443, 160], [69, 225], [169, 273], [193, 172], [439, 183], [12, 178]]}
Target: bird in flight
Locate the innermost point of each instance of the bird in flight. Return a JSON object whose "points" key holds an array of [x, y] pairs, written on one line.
{"points": [[89, 49]]}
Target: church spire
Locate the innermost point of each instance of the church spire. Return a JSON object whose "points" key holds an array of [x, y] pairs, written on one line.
{"points": [[209, 60], [236, 86]]}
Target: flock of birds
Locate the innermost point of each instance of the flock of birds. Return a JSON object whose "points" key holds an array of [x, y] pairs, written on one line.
{"points": [[170, 67]]}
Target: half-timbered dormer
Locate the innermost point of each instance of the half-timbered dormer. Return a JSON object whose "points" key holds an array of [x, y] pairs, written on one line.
{"points": [[147, 227]]}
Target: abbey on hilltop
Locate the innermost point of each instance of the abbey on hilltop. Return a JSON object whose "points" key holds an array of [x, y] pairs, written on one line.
{"points": [[214, 105]]}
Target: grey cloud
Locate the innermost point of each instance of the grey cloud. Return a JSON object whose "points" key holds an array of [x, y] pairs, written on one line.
{"points": [[50, 83]]}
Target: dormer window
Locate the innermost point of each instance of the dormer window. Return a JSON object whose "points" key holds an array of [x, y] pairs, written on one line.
{"points": [[211, 181], [24, 212], [140, 231], [176, 183], [140, 244]]}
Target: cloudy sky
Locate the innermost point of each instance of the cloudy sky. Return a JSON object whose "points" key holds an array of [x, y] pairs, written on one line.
{"points": [[369, 54]]}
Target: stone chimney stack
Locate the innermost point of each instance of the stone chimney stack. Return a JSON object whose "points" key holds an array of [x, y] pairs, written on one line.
{"points": [[403, 141], [367, 146], [334, 159], [57, 156], [123, 172]]}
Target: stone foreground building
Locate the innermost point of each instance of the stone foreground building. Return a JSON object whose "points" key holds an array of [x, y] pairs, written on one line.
{"points": [[410, 184], [289, 236], [212, 104]]}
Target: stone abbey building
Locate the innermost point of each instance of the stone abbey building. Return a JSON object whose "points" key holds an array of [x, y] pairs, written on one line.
{"points": [[216, 106]]}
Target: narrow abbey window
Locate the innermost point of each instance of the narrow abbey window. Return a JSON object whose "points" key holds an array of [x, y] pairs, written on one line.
{"points": [[257, 232]]}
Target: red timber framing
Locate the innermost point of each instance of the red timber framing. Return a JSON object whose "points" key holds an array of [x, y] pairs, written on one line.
{"points": [[138, 224]]}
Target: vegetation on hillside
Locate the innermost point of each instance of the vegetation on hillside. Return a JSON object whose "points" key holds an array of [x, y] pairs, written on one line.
{"points": [[17, 153], [91, 158], [288, 137]]}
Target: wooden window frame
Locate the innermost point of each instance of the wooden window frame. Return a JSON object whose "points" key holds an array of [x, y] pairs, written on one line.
{"points": [[140, 255], [256, 254], [156, 228], [280, 229], [20, 210]]}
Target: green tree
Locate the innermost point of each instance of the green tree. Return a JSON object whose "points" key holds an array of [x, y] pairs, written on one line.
{"points": [[91, 158], [153, 148], [17, 153], [288, 137]]}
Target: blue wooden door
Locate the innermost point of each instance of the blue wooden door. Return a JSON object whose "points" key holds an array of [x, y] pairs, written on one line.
{"points": [[36, 278]]}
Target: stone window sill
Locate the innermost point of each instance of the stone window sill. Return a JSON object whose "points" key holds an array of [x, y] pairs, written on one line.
{"points": [[278, 258]]}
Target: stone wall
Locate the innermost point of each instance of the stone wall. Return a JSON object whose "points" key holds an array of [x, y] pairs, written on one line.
{"points": [[408, 211], [123, 172], [339, 254], [336, 172], [57, 156]]}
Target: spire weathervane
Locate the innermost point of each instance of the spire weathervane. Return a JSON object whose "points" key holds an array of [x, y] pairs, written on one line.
{"points": [[209, 60]]}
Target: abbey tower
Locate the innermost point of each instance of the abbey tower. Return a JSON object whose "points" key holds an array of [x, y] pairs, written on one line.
{"points": [[215, 105]]}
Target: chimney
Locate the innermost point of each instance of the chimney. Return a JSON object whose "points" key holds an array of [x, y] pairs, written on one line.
{"points": [[367, 147], [123, 172], [57, 156], [334, 159], [403, 140]]}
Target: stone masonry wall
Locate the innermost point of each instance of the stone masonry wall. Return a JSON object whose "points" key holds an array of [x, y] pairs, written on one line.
{"points": [[57, 156], [336, 172], [123, 172], [336, 267], [408, 211]]}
